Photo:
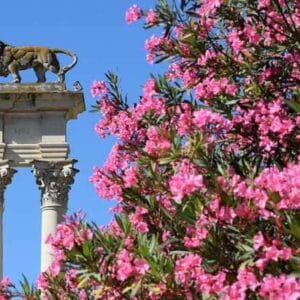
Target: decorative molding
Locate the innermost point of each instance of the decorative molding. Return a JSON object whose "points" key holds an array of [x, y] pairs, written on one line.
{"points": [[54, 179]]}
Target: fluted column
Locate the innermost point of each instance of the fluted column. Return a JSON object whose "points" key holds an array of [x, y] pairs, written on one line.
{"points": [[54, 180], [6, 174]]}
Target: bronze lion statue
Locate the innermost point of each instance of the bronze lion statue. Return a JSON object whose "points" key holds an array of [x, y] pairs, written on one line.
{"points": [[40, 59]]}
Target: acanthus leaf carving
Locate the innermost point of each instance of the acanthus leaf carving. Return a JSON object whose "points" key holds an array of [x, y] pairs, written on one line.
{"points": [[54, 180]]}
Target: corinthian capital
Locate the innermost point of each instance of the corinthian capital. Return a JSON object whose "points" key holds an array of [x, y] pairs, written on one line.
{"points": [[6, 174], [54, 180]]}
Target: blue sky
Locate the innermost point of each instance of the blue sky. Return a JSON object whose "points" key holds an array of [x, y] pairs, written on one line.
{"points": [[97, 32]]}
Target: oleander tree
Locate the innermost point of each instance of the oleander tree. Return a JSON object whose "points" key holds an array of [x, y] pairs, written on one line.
{"points": [[206, 168]]}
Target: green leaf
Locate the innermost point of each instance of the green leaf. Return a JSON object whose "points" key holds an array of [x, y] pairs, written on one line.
{"points": [[166, 160], [153, 244], [86, 250], [83, 280], [135, 289], [294, 104]]}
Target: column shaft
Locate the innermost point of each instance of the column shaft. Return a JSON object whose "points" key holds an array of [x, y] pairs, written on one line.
{"points": [[51, 217], [54, 180], [6, 174], [1, 238]]}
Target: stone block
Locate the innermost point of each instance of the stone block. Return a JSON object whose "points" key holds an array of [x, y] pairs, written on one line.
{"points": [[33, 120]]}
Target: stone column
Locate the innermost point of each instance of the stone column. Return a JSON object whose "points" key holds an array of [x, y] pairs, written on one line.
{"points": [[6, 174], [54, 180]]}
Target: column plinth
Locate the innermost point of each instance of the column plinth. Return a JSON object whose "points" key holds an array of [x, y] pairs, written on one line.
{"points": [[6, 174], [54, 180]]}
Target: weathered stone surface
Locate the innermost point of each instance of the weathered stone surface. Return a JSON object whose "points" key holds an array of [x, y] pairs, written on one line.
{"points": [[32, 87], [33, 119], [41, 97]]}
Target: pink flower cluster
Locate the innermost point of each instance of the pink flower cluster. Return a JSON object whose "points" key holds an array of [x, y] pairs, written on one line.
{"points": [[269, 123], [185, 182], [280, 287], [189, 272], [205, 170], [137, 219], [151, 17], [105, 186], [211, 87], [158, 141], [98, 88], [127, 265], [214, 122], [133, 14], [196, 234], [285, 183]]}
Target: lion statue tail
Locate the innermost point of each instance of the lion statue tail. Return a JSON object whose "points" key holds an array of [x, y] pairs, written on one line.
{"points": [[65, 69]]}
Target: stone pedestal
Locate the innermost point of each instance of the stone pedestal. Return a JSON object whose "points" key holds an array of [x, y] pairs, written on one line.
{"points": [[33, 120]]}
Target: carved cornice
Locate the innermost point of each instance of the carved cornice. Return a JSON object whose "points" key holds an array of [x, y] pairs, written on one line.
{"points": [[54, 180]]}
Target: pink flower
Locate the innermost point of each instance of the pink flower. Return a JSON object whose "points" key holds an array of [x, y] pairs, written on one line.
{"points": [[124, 265], [252, 34], [247, 279], [258, 241], [125, 270], [54, 268], [42, 281], [127, 266], [151, 17], [234, 292], [207, 118], [5, 282], [184, 185], [137, 219], [140, 266], [187, 267], [184, 123], [209, 6], [82, 295], [236, 43], [150, 103], [204, 58], [263, 4], [85, 234], [195, 236], [158, 142], [130, 176], [152, 43], [105, 186], [149, 88], [70, 278], [133, 14], [98, 88], [280, 287]]}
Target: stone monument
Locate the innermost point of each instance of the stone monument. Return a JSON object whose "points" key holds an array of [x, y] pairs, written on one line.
{"points": [[33, 119]]}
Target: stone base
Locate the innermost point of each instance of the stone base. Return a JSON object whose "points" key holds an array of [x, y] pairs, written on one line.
{"points": [[39, 97], [33, 119]]}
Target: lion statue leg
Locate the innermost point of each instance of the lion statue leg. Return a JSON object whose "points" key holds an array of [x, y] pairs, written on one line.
{"points": [[13, 68], [40, 73]]}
